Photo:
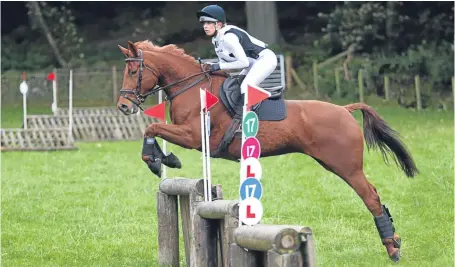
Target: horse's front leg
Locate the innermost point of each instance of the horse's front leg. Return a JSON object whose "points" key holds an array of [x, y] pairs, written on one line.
{"points": [[152, 154]]}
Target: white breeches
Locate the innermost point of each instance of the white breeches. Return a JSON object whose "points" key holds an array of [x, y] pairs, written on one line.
{"points": [[259, 69]]}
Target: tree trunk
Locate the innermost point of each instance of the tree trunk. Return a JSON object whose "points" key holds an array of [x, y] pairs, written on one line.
{"points": [[390, 21], [262, 21], [36, 11]]}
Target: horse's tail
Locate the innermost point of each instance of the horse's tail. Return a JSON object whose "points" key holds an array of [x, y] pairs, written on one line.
{"points": [[378, 134]]}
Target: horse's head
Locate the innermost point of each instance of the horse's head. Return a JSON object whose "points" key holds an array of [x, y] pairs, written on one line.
{"points": [[139, 79]]}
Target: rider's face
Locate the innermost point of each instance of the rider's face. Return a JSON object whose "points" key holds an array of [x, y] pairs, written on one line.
{"points": [[209, 28]]}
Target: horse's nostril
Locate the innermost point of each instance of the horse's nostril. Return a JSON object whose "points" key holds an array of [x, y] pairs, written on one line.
{"points": [[124, 106]]}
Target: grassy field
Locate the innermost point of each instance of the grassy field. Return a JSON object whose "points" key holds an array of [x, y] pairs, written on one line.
{"points": [[96, 206]]}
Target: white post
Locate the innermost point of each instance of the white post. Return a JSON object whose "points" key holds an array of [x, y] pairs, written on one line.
{"points": [[207, 154], [70, 109], [245, 103], [23, 87], [160, 100], [24, 98], [204, 167], [54, 95]]}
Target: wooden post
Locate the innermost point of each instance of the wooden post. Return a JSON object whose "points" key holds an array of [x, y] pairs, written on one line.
{"points": [[417, 84], [297, 79], [114, 84], [185, 214], [337, 82], [288, 62], [204, 236], [240, 257], [222, 249], [360, 81], [226, 211], [387, 87], [168, 230], [315, 77], [275, 259], [217, 209], [307, 248]]}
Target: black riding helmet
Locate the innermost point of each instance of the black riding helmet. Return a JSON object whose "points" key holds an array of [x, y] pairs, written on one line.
{"points": [[212, 11]]}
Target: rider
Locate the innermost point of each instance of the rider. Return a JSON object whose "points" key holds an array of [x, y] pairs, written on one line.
{"points": [[236, 49]]}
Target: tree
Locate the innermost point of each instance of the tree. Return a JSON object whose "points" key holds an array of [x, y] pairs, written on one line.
{"points": [[262, 21], [62, 36]]}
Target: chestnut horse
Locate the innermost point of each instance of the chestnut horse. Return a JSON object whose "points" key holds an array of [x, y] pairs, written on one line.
{"points": [[324, 131]]}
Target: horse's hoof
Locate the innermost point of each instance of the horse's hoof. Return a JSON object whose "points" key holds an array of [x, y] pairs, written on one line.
{"points": [[155, 166], [393, 247], [172, 161], [395, 257]]}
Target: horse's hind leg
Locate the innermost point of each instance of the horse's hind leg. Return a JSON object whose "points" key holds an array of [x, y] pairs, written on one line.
{"points": [[381, 215], [348, 166]]}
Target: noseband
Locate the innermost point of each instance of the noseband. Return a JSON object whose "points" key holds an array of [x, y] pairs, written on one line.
{"points": [[141, 97]]}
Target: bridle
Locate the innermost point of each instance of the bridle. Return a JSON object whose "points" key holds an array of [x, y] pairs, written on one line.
{"points": [[141, 97]]}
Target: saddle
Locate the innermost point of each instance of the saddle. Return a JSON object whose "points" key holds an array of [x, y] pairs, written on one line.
{"points": [[270, 109]]}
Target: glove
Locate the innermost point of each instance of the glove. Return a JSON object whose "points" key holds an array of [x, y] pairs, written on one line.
{"points": [[212, 67]]}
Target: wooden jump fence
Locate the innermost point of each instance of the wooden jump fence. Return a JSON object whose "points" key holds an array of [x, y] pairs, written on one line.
{"points": [[213, 237], [95, 124], [36, 139]]}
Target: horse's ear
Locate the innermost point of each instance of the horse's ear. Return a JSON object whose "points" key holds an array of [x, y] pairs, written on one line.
{"points": [[124, 51], [132, 48]]}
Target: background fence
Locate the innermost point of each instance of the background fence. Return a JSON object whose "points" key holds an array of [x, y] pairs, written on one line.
{"points": [[91, 87], [100, 86]]}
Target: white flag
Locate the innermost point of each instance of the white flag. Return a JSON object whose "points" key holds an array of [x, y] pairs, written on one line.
{"points": [[203, 99]]}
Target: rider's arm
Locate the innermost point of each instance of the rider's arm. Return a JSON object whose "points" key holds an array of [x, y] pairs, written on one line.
{"points": [[232, 42]]}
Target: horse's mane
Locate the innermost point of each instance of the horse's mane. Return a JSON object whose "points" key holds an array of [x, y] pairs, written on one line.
{"points": [[171, 49]]}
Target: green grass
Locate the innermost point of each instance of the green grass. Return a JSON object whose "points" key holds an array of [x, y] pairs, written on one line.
{"points": [[96, 206]]}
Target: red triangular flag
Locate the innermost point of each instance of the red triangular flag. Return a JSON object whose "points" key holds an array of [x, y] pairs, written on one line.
{"points": [[158, 111], [210, 99], [256, 95], [51, 76]]}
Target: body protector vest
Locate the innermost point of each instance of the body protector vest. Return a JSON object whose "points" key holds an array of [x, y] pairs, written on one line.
{"points": [[234, 46]]}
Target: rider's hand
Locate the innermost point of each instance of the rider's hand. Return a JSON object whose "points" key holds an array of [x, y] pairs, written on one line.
{"points": [[212, 67]]}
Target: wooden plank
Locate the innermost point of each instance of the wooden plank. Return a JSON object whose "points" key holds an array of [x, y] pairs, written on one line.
{"points": [[217, 209], [12, 139], [181, 186], [29, 141], [20, 139], [42, 138], [34, 140], [262, 237], [168, 234], [49, 138]]}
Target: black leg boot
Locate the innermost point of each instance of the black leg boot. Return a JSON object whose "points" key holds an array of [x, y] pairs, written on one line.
{"points": [[152, 155]]}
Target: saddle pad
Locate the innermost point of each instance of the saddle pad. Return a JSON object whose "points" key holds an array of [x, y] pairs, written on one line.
{"points": [[271, 110]]}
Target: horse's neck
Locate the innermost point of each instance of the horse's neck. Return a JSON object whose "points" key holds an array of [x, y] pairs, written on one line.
{"points": [[172, 68]]}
